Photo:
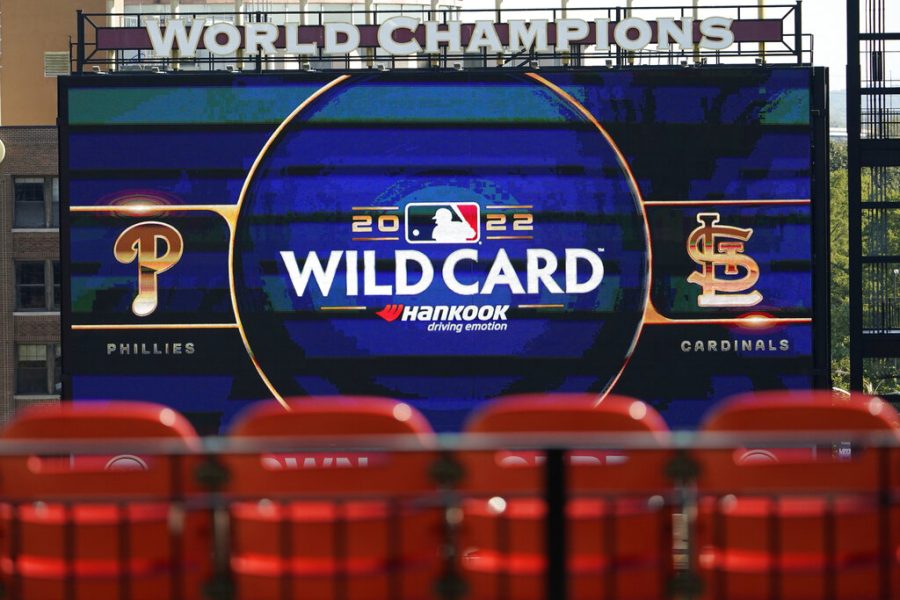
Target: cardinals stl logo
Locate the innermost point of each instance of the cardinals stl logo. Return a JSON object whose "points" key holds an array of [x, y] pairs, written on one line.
{"points": [[704, 249]]}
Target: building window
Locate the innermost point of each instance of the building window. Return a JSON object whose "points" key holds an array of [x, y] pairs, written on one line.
{"points": [[38, 369], [37, 285], [56, 293], [37, 202]]}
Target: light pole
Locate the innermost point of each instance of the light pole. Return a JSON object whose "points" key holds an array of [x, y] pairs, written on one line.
{"points": [[695, 13], [761, 10], [497, 4]]}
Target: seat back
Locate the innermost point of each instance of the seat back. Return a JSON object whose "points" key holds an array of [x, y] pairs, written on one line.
{"points": [[618, 520], [81, 525], [785, 468], [799, 522], [90, 473], [325, 523], [312, 421], [568, 413]]}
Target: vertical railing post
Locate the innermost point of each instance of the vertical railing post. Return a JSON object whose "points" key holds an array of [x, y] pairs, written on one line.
{"points": [[79, 50], [446, 473], [212, 476], [885, 501], [618, 49], [556, 546], [798, 32], [682, 470]]}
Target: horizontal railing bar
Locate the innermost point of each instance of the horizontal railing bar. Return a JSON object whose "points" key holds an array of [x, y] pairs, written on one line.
{"points": [[872, 205], [880, 259], [879, 36], [426, 8], [684, 440]]}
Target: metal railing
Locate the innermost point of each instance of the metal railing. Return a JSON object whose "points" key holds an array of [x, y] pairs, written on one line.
{"points": [[570, 489], [89, 52]]}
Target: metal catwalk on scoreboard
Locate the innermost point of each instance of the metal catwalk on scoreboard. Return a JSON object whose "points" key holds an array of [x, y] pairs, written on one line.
{"points": [[109, 42], [873, 123]]}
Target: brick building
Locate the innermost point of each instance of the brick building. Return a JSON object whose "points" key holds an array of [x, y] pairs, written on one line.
{"points": [[29, 267], [34, 50]]}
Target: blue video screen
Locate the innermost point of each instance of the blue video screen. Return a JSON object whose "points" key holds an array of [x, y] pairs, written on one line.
{"points": [[439, 238]]}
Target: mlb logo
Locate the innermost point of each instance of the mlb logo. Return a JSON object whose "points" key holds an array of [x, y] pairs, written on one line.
{"points": [[443, 223]]}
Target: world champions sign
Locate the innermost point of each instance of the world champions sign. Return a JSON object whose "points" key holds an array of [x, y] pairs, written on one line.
{"points": [[223, 37], [439, 238], [408, 35]]}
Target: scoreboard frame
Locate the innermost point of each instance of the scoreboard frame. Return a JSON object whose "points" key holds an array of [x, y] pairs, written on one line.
{"points": [[820, 199]]}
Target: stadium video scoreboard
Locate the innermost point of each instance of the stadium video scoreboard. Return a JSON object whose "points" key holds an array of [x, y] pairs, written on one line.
{"points": [[444, 237]]}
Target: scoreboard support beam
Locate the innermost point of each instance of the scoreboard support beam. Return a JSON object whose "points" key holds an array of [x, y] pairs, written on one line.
{"points": [[821, 229], [854, 191], [873, 153]]}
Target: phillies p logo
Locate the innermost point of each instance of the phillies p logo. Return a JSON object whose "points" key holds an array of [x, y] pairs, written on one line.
{"points": [[157, 247]]}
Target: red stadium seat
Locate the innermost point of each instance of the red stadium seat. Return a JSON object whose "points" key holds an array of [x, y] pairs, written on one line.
{"points": [[333, 524], [619, 526], [83, 526], [798, 523]]}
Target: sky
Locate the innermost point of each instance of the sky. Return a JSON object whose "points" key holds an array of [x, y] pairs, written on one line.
{"points": [[825, 19]]}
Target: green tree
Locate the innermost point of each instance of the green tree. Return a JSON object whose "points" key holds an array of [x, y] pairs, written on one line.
{"points": [[880, 235], [840, 269]]}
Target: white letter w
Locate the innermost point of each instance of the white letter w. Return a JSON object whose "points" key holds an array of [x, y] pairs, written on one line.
{"points": [[187, 42], [324, 277]]}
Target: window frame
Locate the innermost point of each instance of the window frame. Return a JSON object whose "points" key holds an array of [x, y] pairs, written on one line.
{"points": [[50, 189], [52, 280], [51, 368]]}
